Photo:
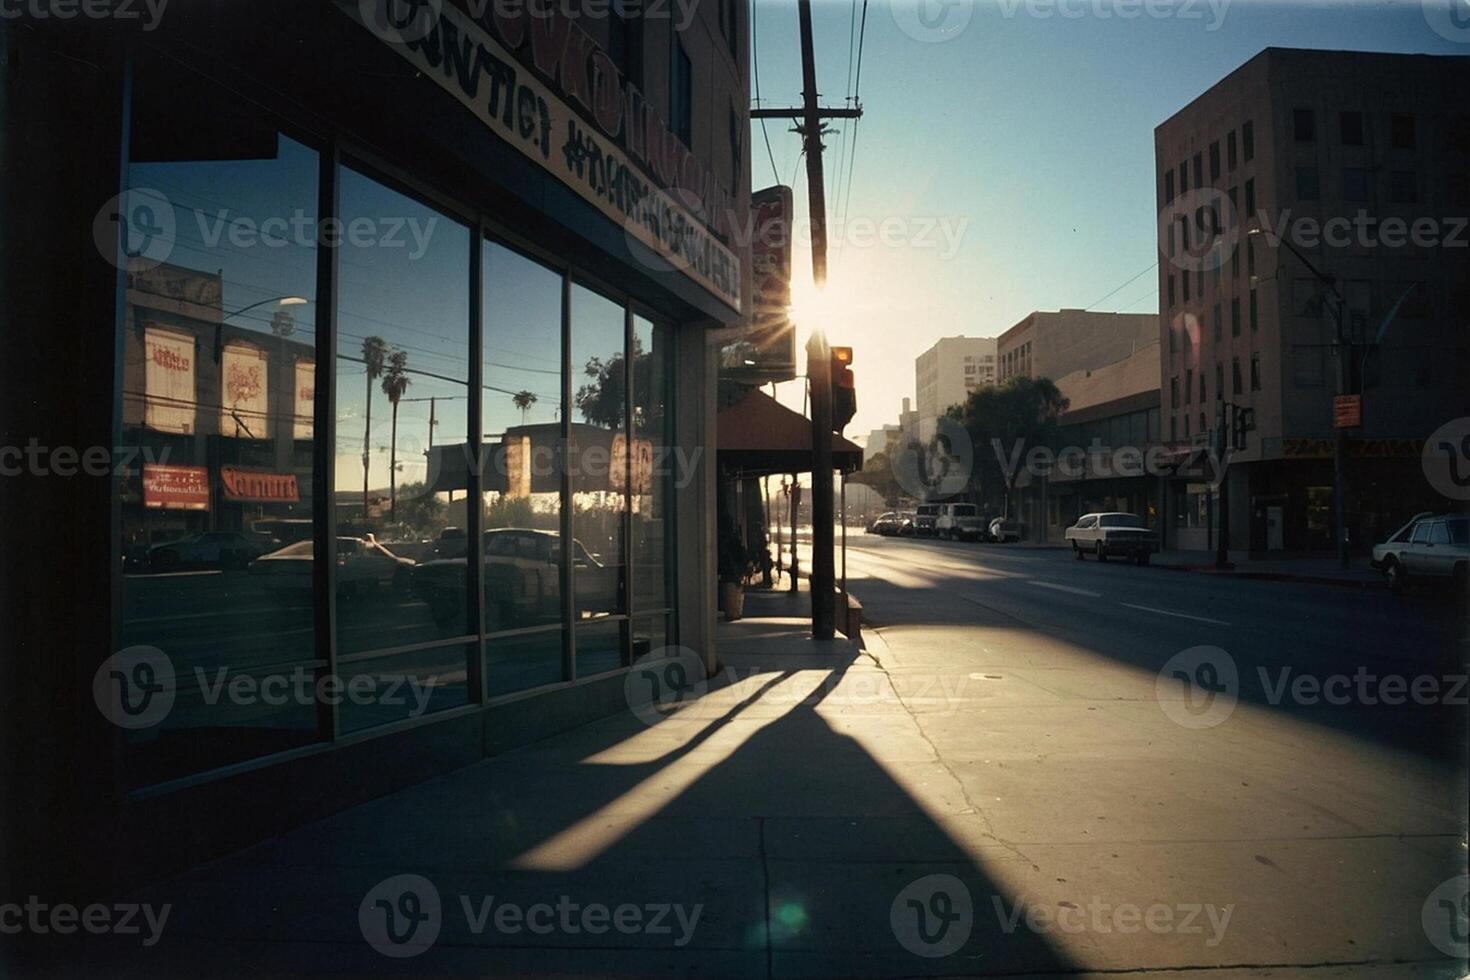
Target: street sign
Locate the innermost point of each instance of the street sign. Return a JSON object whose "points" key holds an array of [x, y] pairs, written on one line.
{"points": [[1347, 411]]}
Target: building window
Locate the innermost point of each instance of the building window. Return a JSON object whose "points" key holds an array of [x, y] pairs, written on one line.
{"points": [[1354, 184], [1218, 322], [1253, 318], [1401, 131], [402, 372], [1308, 369], [1199, 170], [1250, 258], [1219, 381], [681, 90], [1403, 187], [1235, 379], [1303, 125], [1173, 429], [1186, 425], [729, 25], [1235, 316], [1174, 392], [1306, 184], [1168, 186], [1215, 161], [1183, 177], [1255, 372], [1170, 291], [1250, 198], [1188, 384], [651, 514], [1351, 126], [1230, 150], [625, 44], [1248, 141], [1203, 388]]}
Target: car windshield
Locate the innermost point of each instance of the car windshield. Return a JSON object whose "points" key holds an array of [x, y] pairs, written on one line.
{"points": [[1459, 531], [1121, 520]]}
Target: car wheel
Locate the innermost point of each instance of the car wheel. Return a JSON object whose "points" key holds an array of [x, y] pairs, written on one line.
{"points": [[1076, 551], [1396, 575], [1097, 549]]}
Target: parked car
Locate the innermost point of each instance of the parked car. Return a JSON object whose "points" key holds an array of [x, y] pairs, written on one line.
{"points": [[207, 549], [959, 522], [1113, 533], [886, 523], [925, 519], [1003, 530], [1429, 548], [907, 524], [363, 567]]}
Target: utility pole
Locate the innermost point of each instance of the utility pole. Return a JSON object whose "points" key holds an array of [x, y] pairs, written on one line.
{"points": [[819, 369]]}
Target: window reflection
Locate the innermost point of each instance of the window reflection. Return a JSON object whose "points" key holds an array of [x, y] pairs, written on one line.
{"points": [[402, 409], [521, 411], [652, 464], [219, 350]]}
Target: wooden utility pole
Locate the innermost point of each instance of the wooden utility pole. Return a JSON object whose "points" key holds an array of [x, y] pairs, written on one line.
{"points": [[818, 358]]}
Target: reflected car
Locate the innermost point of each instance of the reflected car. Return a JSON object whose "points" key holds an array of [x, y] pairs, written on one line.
{"points": [[1427, 548], [363, 567], [1111, 534], [885, 524], [207, 549], [522, 581]]}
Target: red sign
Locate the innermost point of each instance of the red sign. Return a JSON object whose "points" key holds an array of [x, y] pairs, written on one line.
{"points": [[258, 486], [175, 487], [1347, 411]]}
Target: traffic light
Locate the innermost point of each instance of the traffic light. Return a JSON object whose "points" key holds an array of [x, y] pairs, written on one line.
{"points": [[844, 388]]}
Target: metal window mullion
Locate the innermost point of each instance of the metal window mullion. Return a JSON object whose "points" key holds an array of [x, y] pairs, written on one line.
{"points": [[324, 430], [568, 599], [627, 520], [475, 461]]}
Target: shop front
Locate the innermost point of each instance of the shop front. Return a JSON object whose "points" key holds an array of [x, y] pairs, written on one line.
{"points": [[401, 328]]}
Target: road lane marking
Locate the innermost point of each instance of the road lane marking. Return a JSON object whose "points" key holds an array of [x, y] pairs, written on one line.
{"points": [[1066, 588], [1165, 612]]}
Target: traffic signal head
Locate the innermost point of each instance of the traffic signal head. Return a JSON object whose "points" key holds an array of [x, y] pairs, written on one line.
{"points": [[844, 388]]}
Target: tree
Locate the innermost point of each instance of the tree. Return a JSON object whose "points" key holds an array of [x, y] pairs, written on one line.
{"points": [[374, 350], [524, 400], [1004, 421], [395, 383], [877, 473], [603, 401]]}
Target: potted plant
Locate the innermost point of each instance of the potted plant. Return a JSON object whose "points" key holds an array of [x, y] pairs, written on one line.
{"points": [[732, 564]]}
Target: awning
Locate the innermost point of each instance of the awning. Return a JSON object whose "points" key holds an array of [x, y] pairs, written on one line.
{"points": [[758, 436]]}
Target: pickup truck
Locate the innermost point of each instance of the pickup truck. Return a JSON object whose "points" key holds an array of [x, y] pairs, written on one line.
{"points": [[1107, 534]]}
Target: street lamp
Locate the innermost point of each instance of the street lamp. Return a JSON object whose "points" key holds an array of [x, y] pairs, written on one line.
{"points": [[1339, 454], [219, 327]]}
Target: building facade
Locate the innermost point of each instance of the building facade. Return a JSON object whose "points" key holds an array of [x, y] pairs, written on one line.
{"points": [[945, 374], [396, 336], [1053, 344], [1334, 154]]}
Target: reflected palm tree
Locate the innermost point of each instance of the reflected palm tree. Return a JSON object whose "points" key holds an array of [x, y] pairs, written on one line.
{"points": [[524, 400], [395, 383], [374, 350]]}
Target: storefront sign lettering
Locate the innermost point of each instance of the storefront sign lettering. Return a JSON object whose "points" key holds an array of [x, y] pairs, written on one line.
{"points": [[175, 487], [259, 486]]}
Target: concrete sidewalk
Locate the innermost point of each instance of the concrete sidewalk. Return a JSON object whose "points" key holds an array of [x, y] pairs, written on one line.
{"points": [[818, 809]]}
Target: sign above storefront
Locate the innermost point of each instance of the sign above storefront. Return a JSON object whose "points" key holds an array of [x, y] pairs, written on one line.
{"points": [[768, 351], [1347, 411], [175, 487], [259, 486], [674, 221]]}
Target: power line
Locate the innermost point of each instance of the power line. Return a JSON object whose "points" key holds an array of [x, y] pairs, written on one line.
{"points": [[1129, 282]]}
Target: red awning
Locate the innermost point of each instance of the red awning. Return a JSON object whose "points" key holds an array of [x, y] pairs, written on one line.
{"points": [[758, 436]]}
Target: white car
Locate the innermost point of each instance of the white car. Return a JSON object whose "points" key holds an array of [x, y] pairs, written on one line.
{"points": [[1113, 533], [959, 522], [1428, 547]]}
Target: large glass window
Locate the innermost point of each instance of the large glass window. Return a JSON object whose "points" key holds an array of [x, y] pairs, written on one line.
{"points": [[655, 469], [521, 413], [597, 458], [402, 410], [218, 657]]}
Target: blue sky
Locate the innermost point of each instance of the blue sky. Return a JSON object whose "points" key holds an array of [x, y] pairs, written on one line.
{"points": [[1035, 135]]}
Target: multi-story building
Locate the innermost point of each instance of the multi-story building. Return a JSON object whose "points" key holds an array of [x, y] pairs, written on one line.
{"points": [[1341, 154], [877, 441], [946, 373], [1053, 344]]}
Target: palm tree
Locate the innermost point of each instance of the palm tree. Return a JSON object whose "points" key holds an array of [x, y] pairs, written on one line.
{"points": [[524, 400], [395, 383], [374, 350]]}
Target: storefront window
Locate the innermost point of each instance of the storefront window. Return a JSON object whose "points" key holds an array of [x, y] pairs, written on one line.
{"points": [[654, 470], [521, 412], [597, 457], [219, 348], [402, 388]]}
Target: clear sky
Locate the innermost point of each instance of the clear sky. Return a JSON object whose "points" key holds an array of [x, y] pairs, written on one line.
{"points": [[1029, 135]]}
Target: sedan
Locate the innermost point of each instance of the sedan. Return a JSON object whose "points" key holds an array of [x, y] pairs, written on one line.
{"points": [[1113, 533]]}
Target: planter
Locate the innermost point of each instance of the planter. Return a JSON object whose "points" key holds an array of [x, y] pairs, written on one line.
{"points": [[732, 600]]}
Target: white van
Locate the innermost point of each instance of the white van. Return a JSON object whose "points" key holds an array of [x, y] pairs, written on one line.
{"points": [[925, 519], [959, 522]]}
